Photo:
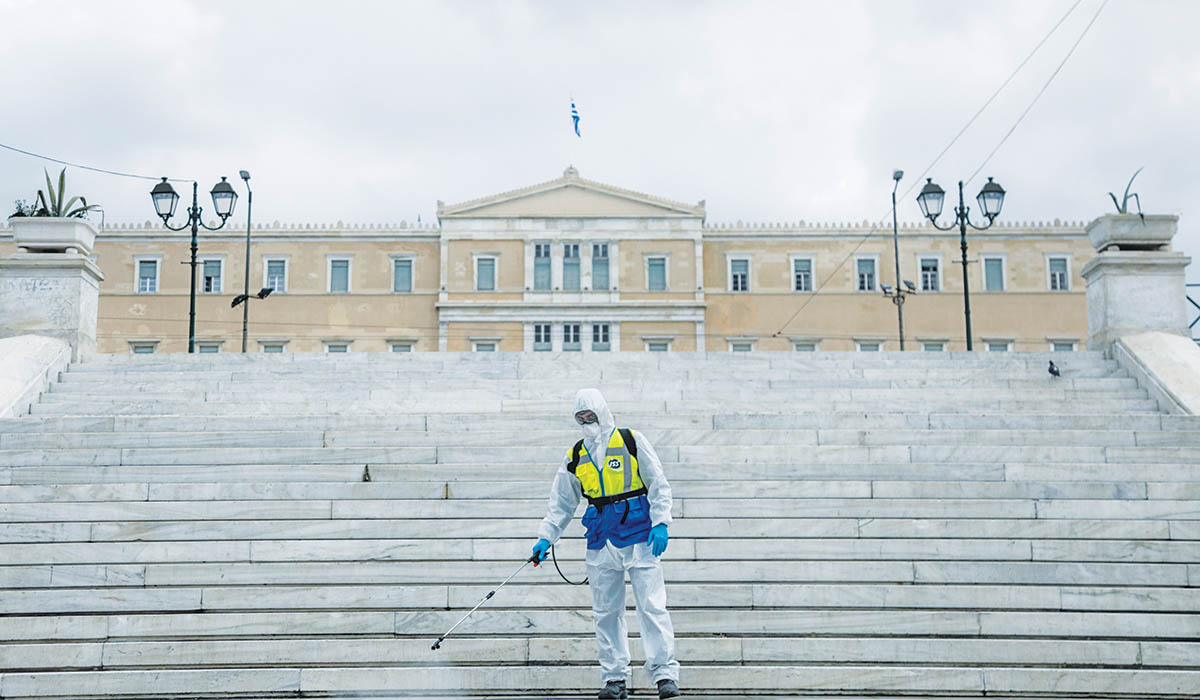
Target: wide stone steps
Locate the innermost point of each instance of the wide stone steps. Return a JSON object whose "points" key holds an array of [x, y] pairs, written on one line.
{"points": [[922, 524]]}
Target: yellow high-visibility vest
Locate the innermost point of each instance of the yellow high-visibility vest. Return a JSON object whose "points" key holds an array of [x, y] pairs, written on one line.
{"points": [[617, 479]]}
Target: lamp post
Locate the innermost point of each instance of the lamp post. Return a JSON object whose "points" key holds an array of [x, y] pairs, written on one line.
{"points": [[898, 299], [990, 198], [244, 297], [245, 174], [165, 198]]}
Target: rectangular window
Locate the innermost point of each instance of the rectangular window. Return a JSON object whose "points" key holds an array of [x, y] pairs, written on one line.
{"points": [[600, 266], [930, 277], [741, 347], [485, 274], [208, 348], [402, 275], [933, 347], [337, 347], [869, 347], [541, 337], [804, 347], [993, 274], [272, 347], [997, 346], [402, 347], [656, 274], [802, 275], [147, 279], [600, 337], [339, 278], [866, 274], [211, 271], [571, 337], [485, 347], [571, 267], [657, 346], [277, 276], [142, 348], [541, 267], [1061, 346], [739, 275], [1058, 275]]}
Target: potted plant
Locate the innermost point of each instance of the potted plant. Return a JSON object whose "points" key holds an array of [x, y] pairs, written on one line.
{"points": [[53, 223]]}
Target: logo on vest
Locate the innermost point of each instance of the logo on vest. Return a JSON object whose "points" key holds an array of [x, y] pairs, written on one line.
{"points": [[614, 463]]}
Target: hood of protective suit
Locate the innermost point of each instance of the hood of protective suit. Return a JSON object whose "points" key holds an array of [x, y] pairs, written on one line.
{"points": [[592, 400]]}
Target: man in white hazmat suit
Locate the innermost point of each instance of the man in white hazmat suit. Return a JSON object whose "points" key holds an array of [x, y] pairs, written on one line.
{"points": [[629, 508]]}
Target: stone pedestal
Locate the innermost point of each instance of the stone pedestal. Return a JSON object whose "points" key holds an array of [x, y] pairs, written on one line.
{"points": [[1134, 291], [51, 294]]}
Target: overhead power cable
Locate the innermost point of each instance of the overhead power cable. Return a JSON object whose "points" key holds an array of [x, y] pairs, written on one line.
{"points": [[88, 167], [1039, 93], [917, 180]]}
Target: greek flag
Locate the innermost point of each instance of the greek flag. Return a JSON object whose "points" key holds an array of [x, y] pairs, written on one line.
{"points": [[575, 117]]}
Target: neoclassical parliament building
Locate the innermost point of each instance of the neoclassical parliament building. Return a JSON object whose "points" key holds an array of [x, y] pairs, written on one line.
{"points": [[577, 265]]}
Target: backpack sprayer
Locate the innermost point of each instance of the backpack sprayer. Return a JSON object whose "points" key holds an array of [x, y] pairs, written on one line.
{"points": [[531, 560]]}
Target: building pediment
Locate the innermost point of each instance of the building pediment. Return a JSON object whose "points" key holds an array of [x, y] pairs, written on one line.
{"points": [[570, 196]]}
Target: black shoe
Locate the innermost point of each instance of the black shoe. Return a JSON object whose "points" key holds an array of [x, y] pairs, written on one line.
{"points": [[615, 689], [667, 689]]}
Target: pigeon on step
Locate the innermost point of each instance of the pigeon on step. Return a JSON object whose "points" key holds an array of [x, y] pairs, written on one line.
{"points": [[1054, 370]]}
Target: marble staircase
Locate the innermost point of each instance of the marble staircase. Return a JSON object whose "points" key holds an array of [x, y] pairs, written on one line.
{"points": [[874, 524]]}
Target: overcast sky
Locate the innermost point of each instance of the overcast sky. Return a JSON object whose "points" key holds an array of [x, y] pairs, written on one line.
{"points": [[771, 111]]}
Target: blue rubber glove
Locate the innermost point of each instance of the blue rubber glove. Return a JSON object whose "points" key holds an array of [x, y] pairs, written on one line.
{"points": [[658, 539], [539, 551]]}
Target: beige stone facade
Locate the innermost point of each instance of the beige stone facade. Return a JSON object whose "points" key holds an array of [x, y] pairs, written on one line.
{"points": [[525, 271]]}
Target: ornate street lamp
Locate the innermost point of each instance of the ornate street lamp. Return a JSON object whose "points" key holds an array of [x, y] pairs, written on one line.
{"points": [[990, 199], [165, 198]]}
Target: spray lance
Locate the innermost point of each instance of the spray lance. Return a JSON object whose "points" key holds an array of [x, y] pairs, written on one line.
{"points": [[531, 560]]}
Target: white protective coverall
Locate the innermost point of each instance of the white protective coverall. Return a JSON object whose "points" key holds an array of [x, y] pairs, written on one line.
{"points": [[606, 568]]}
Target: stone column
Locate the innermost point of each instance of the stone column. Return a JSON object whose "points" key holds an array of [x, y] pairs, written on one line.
{"points": [[48, 291], [1136, 282]]}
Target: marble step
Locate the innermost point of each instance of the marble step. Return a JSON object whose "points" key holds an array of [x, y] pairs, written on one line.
{"points": [[470, 422], [683, 596], [747, 528], [562, 438], [681, 548], [725, 454], [581, 650], [566, 362], [559, 389], [549, 395], [578, 622], [488, 680], [691, 508], [481, 490], [1176, 477], [395, 572]]}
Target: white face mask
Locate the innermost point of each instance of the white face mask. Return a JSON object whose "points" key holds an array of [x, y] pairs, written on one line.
{"points": [[591, 431]]}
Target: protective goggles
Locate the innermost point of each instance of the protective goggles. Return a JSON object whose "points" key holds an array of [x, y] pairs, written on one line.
{"points": [[585, 417]]}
